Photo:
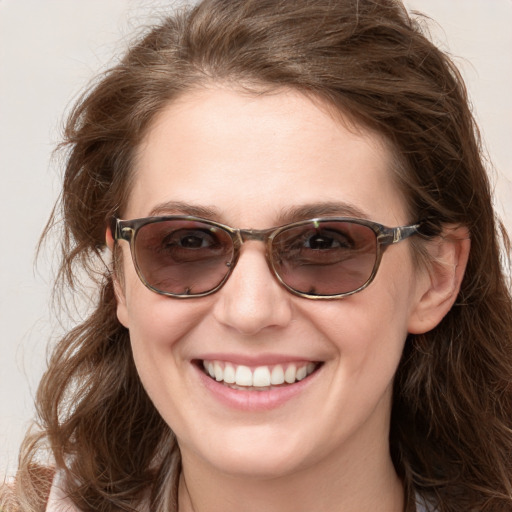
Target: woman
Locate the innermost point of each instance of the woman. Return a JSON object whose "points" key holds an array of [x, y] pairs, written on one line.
{"points": [[304, 307]]}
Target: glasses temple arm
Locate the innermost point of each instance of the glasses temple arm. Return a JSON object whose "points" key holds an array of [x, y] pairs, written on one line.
{"points": [[395, 235]]}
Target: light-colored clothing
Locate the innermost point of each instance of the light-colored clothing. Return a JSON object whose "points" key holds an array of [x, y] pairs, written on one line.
{"points": [[58, 501], [421, 505]]}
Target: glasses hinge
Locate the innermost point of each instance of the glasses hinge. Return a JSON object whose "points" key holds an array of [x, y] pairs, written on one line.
{"points": [[126, 233]]}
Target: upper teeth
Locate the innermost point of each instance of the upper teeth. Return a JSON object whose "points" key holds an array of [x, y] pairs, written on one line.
{"points": [[261, 376]]}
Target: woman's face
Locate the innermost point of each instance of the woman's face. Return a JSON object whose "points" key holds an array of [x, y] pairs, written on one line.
{"points": [[254, 162]]}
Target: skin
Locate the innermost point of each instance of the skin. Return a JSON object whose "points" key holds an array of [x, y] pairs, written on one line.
{"points": [[251, 159]]}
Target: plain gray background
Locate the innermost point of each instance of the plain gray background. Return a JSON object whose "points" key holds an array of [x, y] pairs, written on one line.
{"points": [[50, 49]]}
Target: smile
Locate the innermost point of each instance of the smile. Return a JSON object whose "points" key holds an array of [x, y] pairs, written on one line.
{"points": [[260, 378]]}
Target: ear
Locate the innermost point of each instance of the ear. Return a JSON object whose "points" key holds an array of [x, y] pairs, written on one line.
{"points": [[441, 280], [122, 312]]}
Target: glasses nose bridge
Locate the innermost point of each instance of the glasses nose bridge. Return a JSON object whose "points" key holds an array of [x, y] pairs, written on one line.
{"points": [[259, 235]]}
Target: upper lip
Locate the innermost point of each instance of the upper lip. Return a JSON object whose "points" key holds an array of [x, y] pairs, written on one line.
{"points": [[258, 360]]}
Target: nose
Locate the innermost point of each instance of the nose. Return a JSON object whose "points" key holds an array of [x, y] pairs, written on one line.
{"points": [[252, 300]]}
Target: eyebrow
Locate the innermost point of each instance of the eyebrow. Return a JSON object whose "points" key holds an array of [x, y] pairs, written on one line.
{"points": [[321, 209], [285, 216], [182, 208]]}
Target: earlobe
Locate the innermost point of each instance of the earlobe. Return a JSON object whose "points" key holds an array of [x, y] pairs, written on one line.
{"points": [[122, 312], [448, 257], [109, 239]]}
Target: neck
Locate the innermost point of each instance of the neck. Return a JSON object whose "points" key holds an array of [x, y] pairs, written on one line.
{"points": [[348, 482]]}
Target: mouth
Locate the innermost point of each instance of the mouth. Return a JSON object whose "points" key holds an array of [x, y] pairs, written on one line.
{"points": [[259, 378]]}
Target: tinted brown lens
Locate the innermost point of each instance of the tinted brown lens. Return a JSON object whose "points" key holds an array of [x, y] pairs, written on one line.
{"points": [[325, 258], [183, 257]]}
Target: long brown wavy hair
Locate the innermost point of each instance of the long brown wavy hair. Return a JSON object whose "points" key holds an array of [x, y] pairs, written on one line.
{"points": [[451, 431]]}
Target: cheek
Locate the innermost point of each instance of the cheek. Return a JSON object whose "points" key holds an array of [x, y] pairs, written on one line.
{"points": [[369, 339], [159, 328], [148, 315], [155, 322], [369, 329]]}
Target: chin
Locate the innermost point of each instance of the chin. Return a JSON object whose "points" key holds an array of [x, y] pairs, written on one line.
{"points": [[258, 466], [254, 455]]}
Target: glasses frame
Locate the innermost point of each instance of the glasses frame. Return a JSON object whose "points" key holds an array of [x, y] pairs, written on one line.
{"points": [[385, 236]]}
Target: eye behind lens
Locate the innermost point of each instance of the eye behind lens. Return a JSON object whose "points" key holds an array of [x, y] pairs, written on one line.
{"points": [[325, 258], [182, 257]]}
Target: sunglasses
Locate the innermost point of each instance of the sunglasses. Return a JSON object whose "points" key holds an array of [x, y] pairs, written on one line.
{"points": [[323, 258]]}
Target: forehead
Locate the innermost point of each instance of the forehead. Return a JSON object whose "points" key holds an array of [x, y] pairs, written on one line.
{"points": [[239, 153]]}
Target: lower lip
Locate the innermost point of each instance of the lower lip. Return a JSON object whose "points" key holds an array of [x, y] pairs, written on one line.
{"points": [[255, 400]]}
